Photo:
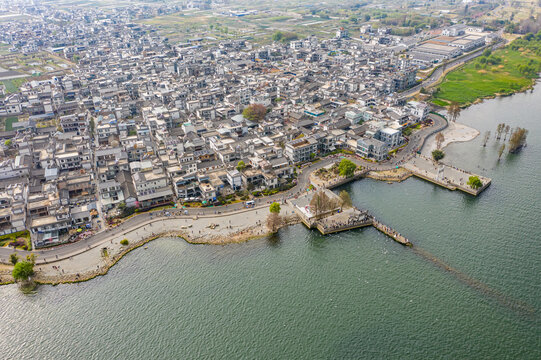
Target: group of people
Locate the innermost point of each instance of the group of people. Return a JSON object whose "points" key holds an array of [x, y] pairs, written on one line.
{"points": [[352, 220]]}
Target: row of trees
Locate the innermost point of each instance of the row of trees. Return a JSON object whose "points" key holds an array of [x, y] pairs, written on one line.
{"points": [[284, 36], [321, 203]]}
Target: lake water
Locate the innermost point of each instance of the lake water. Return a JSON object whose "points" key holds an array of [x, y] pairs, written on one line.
{"points": [[303, 296]]}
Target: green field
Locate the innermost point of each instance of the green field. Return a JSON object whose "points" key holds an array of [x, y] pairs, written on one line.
{"points": [[9, 121], [13, 85], [504, 72]]}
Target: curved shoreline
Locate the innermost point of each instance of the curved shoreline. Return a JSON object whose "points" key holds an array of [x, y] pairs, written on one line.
{"points": [[90, 262], [54, 280]]}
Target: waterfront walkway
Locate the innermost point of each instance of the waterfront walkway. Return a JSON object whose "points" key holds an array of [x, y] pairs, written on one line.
{"points": [[401, 159]]}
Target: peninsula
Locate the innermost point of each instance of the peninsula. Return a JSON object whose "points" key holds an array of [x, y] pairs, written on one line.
{"points": [[115, 134]]}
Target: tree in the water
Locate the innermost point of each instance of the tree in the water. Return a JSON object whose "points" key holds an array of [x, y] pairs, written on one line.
{"points": [[474, 182], [507, 129], [454, 110], [274, 220], [500, 151], [499, 130], [485, 140], [517, 140], [440, 138]]}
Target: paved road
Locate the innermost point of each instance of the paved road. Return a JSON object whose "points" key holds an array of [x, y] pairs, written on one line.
{"points": [[64, 251]]}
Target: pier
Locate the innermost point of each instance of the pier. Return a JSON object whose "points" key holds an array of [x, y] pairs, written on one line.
{"points": [[444, 175], [338, 220], [395, 235]]}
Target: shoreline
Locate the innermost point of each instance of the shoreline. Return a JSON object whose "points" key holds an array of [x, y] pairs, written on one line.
{"points": [[223, 229], [92, 263], [481, 99], [455, 133], [246, 225]]}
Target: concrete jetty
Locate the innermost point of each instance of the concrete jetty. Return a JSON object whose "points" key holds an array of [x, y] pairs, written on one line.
{"points": [[354, 218], [395, 235], [444, 175], [347, 219], [338, 220]]}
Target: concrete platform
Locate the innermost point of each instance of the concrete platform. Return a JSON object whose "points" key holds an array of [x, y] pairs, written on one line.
{"points": [[447, 176], [347, 219]]}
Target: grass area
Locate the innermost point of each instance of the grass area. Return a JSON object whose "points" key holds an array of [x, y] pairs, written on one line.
{"points": [[13, 85], [503, 72], [9, 121], [440, 102]]}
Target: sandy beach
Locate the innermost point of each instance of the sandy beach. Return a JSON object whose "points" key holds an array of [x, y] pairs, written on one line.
{"points": [[455, 132]]}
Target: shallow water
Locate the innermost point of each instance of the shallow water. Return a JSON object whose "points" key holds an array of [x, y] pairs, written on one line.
{"points": [[469, 289]]}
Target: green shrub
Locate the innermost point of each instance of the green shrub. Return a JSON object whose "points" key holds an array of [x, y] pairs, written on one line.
{"points": [[124, 242]]}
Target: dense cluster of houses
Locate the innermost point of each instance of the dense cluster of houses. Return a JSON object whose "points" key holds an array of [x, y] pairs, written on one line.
{"points": [[140, 123]]}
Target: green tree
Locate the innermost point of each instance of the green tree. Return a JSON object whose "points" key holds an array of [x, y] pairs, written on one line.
{"points": [[241, 165], [275, 208], [437, 155], [23, 270], [8, 142], [255, 112], [124, 242], [346, 168], [14, 258], [277, 36], [284, 36], [474, 182]]}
